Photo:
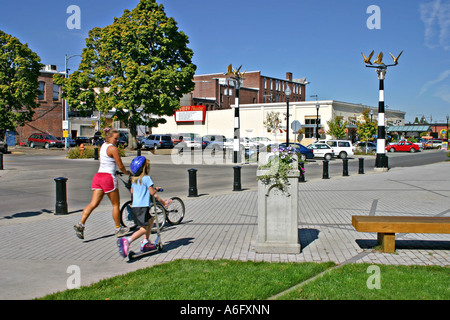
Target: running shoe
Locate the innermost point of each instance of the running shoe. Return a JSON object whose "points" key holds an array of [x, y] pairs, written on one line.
{"points": [[123, 245], [122, 231], [79, 229]]}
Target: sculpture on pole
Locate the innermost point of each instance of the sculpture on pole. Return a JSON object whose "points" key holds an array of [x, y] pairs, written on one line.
{"points": [[381, 160]]}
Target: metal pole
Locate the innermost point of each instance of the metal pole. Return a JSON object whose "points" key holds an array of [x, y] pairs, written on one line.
{"points": [[380, 161], [61, 196], [192, 192], [345, 167], [237, 178], [325, 170], [361, 166], [65, 116], [237, 135], [287, 122], [301, 168]]}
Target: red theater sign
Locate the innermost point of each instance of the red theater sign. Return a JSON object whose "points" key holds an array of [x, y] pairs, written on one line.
{"points": [[190, 114]]}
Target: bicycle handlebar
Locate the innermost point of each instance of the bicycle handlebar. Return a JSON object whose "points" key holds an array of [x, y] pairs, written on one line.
{"points": [[128, 185]]}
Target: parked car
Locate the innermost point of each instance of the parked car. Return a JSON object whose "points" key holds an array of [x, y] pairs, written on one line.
{"points": [[322, 150], [368, 147], [215, 141], [306, 153], [228, 143], [190, 140], [158, 141], [260, 141], [403, 146], [3, 147], [44, 140], [123, 139], [82, 140], [342, 148], [176, 138], [97, 139], [246, 142], [70, 141], [436, 143]]}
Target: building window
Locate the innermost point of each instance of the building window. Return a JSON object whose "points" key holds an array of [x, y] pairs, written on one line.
{"points": [[265, 83], [55, 92], [41, 95]]}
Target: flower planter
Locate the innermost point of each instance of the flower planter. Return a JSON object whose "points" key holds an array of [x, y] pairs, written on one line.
{"points": [[278, 215]]}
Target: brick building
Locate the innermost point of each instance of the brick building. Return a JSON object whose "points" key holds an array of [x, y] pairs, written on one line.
{"points": [[48, 116], [216, 91]]}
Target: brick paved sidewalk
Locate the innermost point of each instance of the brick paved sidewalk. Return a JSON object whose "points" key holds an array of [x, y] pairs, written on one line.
{"points": [[35, 254]]}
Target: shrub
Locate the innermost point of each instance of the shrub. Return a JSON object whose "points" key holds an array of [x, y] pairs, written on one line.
{"points": [[75, 153]]}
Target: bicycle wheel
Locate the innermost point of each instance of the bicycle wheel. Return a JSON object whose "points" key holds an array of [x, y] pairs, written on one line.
{"points": [[175, 212], [160, 216], [126, 216]]}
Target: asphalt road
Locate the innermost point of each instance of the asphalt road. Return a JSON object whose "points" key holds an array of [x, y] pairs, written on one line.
{"points": [[27, 186]]}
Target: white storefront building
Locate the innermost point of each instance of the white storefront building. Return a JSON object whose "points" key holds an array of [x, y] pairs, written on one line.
{"points": [[252, 116]]}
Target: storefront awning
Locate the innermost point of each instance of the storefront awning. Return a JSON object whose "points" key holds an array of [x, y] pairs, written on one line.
{"points": [[425, 128]]}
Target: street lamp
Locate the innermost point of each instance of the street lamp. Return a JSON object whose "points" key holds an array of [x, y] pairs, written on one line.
{"points": [[237, 76], [447, 134], [66, 111], [381, 162], [288, 94], [317, 116]]}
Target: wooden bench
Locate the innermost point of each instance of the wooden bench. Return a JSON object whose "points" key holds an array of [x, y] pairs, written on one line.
{"points": [[388, 226]]}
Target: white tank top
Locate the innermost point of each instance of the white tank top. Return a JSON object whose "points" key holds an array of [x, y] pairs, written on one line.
{"points": [[107, 164]]}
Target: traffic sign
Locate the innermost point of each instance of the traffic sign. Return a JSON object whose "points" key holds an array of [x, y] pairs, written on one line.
{"points": [[296, 126]]}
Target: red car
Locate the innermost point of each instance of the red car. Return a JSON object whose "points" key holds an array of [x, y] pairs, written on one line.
{"points": [[403, 146]]}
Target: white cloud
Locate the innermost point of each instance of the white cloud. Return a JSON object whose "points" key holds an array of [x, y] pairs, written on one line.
{"points": [[442, 77], [443, 92], [436, 18]]}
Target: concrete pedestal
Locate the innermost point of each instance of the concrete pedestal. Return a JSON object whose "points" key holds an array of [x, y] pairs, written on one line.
{"points": [[278, 215]]}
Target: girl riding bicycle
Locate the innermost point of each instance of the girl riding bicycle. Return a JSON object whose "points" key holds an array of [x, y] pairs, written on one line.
{"points": [[142, 189]]}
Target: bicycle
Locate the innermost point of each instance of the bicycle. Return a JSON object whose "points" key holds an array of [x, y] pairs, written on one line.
{"points": [[174, 214]]}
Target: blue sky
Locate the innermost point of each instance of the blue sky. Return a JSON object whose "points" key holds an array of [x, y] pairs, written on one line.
{"points": [[321, 40]]}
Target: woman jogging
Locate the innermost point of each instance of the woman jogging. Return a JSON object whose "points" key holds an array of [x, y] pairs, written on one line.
{"points": [[142, 189], [105, 181]]}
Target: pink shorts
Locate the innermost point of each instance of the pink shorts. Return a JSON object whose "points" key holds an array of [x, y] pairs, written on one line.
{"points": [[104, 181]]}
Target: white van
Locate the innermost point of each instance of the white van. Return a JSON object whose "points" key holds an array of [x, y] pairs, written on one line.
{"points": [[342, 148]]}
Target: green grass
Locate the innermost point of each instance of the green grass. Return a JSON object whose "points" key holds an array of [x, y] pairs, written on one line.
{"points": [[199, 280], [237, 280], [396, 283]]}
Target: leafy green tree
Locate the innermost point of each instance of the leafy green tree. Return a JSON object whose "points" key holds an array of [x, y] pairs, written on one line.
{"points": [[140, 65], [366, 129], [337, 127], [19, 87]]}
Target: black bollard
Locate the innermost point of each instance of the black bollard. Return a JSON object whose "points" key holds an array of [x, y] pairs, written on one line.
{"points": [[237, 179], [138, 152], [325, 170], [301, 168], [61, 196], [96, 153], [387, 162], [1, 160], [345, 167], [192, 183], [361, 166]]}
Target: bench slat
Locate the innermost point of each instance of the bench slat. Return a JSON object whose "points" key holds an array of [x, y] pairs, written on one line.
{"points": [[396, 224]]}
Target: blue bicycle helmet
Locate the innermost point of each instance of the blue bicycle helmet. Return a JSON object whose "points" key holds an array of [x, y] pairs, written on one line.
{"points": [[137, 164]]}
